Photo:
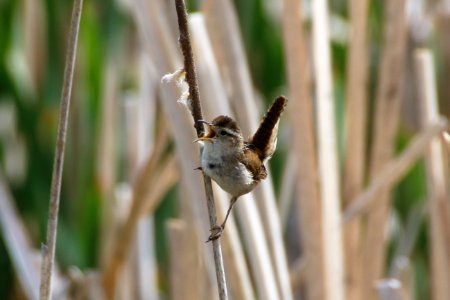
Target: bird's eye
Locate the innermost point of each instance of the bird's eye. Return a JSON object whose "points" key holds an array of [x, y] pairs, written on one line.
{"points": [[223, 133]]}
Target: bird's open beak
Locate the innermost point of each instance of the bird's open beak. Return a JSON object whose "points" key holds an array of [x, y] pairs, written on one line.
{"points": [[209, 135]]}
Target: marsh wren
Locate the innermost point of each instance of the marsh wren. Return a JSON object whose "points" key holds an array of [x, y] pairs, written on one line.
{"points": [[237, 166]]}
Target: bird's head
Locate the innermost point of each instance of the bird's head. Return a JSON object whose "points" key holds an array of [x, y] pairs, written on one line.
{"points": [[222, 131]]}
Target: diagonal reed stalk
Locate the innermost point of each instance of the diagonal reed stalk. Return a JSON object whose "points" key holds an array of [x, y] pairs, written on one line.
{"points": [[191, 78], [394, 170], [152, 180], [49, 249]]}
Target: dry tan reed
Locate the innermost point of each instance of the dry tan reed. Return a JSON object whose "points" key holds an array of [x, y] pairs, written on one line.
{"points": [[327, 155], [394, 170], [308, 203], [438, 189], [183, 263], [388, 97], [355, 137]]}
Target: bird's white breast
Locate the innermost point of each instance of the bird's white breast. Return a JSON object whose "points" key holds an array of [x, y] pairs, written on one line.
{"points": [[226, 170]]}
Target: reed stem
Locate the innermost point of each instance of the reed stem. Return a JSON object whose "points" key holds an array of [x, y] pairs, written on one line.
{"points": [[191, 78], [52, 225]]}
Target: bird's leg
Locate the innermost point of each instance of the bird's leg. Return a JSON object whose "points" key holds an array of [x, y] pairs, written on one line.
{"points": [[232, 202], [216, 231]]}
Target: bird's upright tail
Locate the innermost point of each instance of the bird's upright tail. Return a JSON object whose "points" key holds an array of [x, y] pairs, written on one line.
{"points": [[265, 137]]}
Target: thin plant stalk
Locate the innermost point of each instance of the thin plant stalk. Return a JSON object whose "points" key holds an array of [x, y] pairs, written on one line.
{"points": [[438, 206], [387, 106], [355, 136], [308, 197], [49, 248], [106, 161], [35, 41], [327, 154], [191, 79]]}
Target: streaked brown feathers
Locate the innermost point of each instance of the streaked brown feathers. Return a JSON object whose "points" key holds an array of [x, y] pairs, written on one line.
{"points": [[264, 140]]}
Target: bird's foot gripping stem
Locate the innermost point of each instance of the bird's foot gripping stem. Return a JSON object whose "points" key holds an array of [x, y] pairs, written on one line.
{"points": [[216, 232]]}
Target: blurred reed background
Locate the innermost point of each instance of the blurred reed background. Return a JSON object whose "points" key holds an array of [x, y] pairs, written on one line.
{"points": [[356, 205]]}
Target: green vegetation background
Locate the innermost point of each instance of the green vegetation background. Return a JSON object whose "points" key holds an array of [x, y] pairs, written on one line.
{"points": [[105, 29]]}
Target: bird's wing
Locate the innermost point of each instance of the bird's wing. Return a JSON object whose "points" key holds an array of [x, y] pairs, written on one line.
{"points": [[253, 164]]}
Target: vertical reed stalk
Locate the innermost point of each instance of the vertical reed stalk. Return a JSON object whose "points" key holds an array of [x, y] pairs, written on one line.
{"points": [[388, 99], [34, 39], [227, 43], [191, 78], [106, 160], [308, 205], [52, 226], [184, 260], [355, 136], [438, 198], [328, 158]]}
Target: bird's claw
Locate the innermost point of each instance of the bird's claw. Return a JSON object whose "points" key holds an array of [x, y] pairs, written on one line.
{"points": [[216, 232]]}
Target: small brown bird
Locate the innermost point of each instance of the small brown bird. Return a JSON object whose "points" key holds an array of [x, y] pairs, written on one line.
{"points": [[235, 165]]}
